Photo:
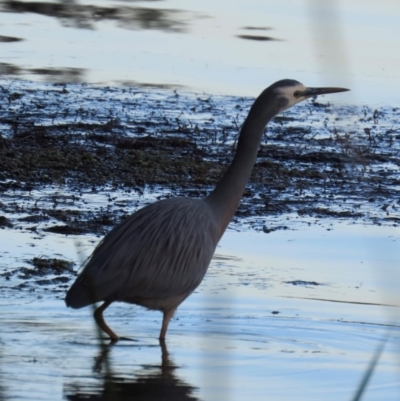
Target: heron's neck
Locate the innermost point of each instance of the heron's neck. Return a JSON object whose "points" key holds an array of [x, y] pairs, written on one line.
{"points": [[227, 194]]}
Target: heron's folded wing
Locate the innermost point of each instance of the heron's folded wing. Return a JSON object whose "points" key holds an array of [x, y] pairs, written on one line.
{"points": [[160, 251]]}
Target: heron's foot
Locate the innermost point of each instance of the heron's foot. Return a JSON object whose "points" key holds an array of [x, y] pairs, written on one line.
{"points": [[113, 337], [98, 317]]}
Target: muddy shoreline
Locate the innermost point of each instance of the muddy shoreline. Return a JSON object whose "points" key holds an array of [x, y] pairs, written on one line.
{"points": [[319, 160], [77, 159]]}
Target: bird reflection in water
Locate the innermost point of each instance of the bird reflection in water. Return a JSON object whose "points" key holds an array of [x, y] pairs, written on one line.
{"points": [[152, 382]]}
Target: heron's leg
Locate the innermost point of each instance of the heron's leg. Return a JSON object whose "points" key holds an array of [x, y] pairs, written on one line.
{"points": [[167, 317], [98, 316]]}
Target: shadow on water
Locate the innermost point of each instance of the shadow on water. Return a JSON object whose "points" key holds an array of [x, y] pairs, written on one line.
{"points": [[152, 382], [84, 16], [9, 39], [74, 14], [60, 75]]}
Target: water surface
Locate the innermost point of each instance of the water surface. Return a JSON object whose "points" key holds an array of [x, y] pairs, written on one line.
{"points": [[294, 315], [207, 46]]}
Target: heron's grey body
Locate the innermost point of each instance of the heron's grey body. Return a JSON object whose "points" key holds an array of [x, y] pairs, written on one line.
{"points": [[164, 251], [159, 255]]}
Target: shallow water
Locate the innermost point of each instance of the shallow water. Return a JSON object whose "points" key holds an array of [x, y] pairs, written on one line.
{"points": [[206, 45], [288, 315], [293, 314]]}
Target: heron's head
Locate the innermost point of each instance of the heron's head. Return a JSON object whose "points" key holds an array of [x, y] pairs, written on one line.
{"points": [[289, 92]]}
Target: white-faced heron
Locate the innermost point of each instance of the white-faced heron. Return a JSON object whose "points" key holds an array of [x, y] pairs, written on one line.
{"points": [[159, 255]]}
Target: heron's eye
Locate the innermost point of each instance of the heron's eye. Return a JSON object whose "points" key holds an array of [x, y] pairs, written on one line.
{"points": [[296, 94]]}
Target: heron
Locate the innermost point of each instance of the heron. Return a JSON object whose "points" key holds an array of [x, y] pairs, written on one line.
{"points": [[159, 255]]}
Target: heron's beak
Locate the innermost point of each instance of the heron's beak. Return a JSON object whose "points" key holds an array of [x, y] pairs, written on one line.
{"points": [[321, 91]]}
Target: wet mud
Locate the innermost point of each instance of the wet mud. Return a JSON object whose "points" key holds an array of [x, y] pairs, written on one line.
{"points": [[318, 160], [77, 159]]}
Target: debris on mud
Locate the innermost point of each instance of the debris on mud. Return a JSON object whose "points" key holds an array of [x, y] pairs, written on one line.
{"points": [[56, 266], [63, 230], [42, 267], [4, 222], [268, 230], [303, 283], [322, 212]]}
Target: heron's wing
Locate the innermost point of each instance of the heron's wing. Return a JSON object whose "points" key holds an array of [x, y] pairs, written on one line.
{"points": [[163, 250]]}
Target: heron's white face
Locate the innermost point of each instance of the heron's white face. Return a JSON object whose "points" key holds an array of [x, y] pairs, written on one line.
{"points": [[290, 95], [287, 92]]}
